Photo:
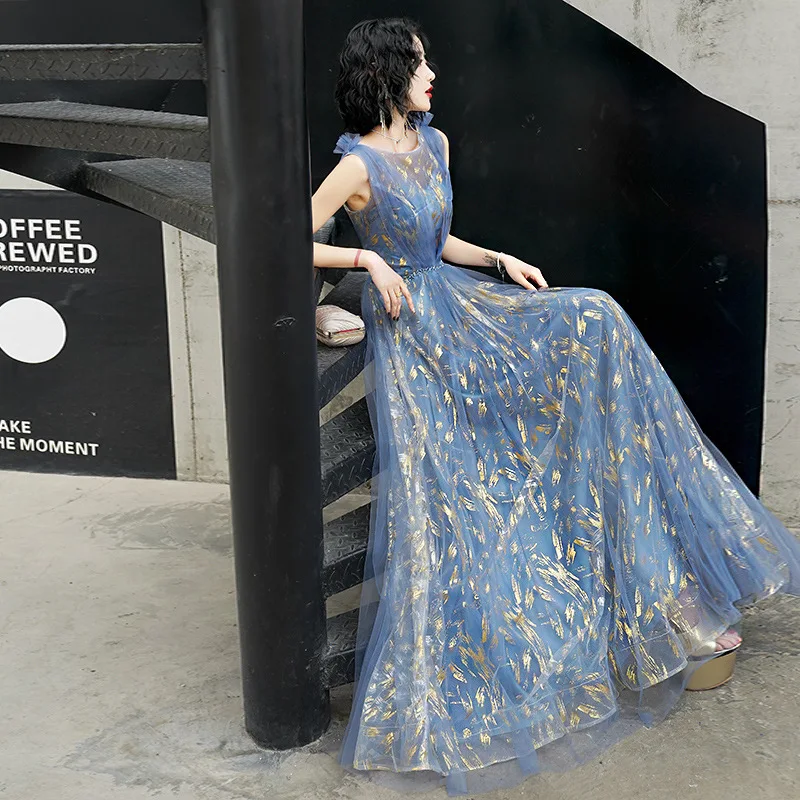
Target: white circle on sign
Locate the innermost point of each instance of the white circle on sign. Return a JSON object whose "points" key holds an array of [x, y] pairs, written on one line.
{"points": [[31, 330]]}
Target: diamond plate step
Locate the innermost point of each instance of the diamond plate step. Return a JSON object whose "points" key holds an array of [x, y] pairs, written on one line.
{"points": [[102, 62], [345, 550], [340, 658], [175, 192], [105, 129], [348, 452], [336, 367], [347, 293]]}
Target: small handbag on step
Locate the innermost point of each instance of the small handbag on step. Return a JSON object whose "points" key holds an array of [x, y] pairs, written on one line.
{"points": [[337, 327]]}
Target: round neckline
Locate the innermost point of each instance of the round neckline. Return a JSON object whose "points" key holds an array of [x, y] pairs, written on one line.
{"points": [[420, 139]]}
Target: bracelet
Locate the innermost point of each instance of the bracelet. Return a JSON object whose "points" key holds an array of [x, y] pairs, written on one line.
{"points": [[358, 255], [500, 268]]}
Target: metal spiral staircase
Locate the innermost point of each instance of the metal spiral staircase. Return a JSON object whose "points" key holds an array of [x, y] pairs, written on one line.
{"points": [[166, 175]]}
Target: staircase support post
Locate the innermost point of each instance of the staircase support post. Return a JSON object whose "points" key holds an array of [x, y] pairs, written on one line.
{"points": [[261, 187]]}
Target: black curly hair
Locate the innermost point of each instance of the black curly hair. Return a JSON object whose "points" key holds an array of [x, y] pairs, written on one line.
{"points": [[376, 65]]}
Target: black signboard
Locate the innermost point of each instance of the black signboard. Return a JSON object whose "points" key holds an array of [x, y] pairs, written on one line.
{"points": [[84, 349]]}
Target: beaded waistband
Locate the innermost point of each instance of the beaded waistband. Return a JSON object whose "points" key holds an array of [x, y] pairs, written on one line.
{"points": [[409, 269]]}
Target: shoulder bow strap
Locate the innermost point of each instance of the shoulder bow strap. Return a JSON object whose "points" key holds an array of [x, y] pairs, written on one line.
{"points": [[346, 142]]}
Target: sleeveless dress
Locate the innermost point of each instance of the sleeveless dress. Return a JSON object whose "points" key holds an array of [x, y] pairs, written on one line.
{"points": [[552, 536]]}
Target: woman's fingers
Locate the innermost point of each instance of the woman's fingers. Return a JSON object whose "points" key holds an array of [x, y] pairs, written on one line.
{"points": [[539, 278], [407, 295], [535, 274], [393, 298], [396, 295], [521, 272], [395, 302], [523, 281], [390, 301]]}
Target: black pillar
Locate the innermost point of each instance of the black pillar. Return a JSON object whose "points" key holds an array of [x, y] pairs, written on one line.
{"points": [[260, 168]]}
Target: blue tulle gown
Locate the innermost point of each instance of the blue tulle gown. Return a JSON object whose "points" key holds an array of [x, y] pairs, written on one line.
{"points": [[552, 536]]}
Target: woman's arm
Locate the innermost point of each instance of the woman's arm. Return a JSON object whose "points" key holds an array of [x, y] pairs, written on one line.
{"points": [[346, 180], [457, 251], [350, 179]]}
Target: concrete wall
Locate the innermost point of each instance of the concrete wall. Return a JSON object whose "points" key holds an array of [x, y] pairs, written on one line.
{"points": [[196, 357], [745, 53]]}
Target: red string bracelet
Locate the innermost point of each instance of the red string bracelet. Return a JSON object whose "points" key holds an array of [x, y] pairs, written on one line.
{"points": [[358, 255]]}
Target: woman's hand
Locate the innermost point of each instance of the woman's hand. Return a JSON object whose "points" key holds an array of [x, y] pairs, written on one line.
{"points": [[391, 285], [521, 272]]}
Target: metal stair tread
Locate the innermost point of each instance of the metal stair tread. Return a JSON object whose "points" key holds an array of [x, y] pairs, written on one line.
{"points": [[105, 129], [347, 293], [173, 191], [345, 542], [145, 61], [339, 659], [91, 113], [347, 450], [336, 367]]}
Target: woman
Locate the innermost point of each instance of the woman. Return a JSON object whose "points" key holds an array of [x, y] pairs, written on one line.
{"points": [[554, 541]]}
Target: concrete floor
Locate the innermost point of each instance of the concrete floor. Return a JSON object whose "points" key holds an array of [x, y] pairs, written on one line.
{"points": [[119, 671]]}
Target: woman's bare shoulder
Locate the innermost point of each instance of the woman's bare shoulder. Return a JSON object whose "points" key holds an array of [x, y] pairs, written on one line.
{"points": [[350, 173], [352, 165], [445, 143], [347, 179]]}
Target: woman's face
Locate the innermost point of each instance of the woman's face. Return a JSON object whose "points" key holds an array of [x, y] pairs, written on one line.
{"points": [[421, 89]]}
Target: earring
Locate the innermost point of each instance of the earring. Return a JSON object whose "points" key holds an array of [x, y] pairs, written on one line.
{"points": [[385, 103]]}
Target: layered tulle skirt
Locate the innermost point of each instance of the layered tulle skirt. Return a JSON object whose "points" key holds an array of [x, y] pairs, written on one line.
{"points": [[552, 536]]}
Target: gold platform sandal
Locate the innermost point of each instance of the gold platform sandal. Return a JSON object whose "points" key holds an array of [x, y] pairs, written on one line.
{"points": [[715, 671]]}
